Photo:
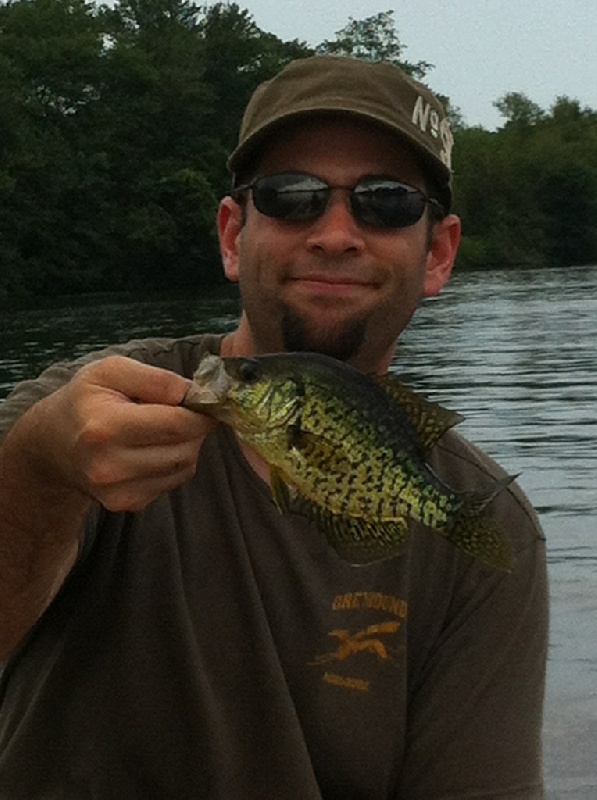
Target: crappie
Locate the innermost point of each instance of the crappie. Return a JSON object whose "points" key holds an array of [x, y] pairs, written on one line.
{"points": [[347, 451]]}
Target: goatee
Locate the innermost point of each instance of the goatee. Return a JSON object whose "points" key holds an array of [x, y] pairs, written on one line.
{"points": [[341, 341]]}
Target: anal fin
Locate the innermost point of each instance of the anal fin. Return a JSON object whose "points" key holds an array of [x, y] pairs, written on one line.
{"points": [[357, 540]]}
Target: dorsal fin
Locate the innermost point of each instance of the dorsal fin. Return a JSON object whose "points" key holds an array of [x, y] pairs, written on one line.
{"points": [[430, 419]]}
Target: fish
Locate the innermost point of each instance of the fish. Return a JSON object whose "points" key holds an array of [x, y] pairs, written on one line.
{"points": [[349, 451]]}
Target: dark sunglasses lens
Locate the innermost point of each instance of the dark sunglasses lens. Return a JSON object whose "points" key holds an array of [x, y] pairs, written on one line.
{"points": [[387, 204], [290, 196]]}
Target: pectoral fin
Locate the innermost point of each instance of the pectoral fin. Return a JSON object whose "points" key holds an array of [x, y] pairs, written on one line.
{"points": [[280, 491], [319, 451]]}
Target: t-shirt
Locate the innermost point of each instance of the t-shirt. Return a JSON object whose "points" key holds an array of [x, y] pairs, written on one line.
{"points": [[210, 647]]}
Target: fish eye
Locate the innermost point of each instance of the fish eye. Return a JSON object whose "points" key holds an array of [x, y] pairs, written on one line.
{"points": [[250, 370]]}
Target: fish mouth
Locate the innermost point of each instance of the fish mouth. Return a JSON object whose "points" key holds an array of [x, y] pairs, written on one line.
{"points": [[210, 387]]}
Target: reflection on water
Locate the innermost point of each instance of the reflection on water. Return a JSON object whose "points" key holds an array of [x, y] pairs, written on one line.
{"points": [[32, 338], [516, 353]]}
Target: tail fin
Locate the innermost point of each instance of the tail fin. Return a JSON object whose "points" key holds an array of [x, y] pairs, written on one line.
{"points": [[478, 534], [477, 502]]}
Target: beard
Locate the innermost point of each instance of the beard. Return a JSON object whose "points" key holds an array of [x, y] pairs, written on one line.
{"points": [[342, 341]]}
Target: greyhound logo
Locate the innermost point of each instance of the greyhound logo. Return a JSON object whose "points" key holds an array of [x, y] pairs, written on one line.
{"points": [[365, 641]]}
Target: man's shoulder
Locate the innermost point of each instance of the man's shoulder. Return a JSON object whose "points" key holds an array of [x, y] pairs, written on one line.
{"points": [[180, 355]]}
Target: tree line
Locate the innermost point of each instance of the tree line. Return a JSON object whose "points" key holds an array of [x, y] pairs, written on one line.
{"points": [[116, 122]]}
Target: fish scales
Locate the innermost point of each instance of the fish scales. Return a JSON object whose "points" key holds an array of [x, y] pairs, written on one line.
{"points": [[376, 485], [354, 490], [348, 451]]}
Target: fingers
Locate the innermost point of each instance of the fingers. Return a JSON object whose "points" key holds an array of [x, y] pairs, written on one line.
{"points": [[137, 425], [116, 432], [136, 381], [116, 462], [130, 481]]}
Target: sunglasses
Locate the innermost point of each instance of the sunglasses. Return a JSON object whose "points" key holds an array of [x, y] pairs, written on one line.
{"points": [[299, 197]]}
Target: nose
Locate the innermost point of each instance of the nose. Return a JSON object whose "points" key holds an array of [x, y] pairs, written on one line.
{"points": [[336, 231]]}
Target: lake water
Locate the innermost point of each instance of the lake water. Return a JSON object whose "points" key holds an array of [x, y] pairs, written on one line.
{"points": [[516, 353]]}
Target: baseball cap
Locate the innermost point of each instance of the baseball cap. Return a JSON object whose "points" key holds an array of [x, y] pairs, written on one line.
{"points": [[376, 92]]}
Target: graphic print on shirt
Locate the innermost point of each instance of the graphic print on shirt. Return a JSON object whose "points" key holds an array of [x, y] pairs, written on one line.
{"points": [[357, 652], [362, 641]]}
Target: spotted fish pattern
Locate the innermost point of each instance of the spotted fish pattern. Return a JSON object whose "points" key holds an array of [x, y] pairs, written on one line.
{"points": [[349, 452]]}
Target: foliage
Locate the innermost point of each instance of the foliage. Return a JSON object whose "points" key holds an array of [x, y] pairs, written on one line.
{"points": [[117, 119], [519, 110], [113, 139], [373, 39], [238, 56], [527, 194]]}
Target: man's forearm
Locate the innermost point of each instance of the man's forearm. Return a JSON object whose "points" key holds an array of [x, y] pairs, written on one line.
{"points": [[115, 434], [41, 523]]}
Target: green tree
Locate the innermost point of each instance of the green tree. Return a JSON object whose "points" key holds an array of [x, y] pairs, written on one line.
{"points": [[237, 57], [564, 158], [374, 38], [117, 119], [518, 109], [115, 131], [527, 193], [156, 125], [502, 225], [48, 52]]}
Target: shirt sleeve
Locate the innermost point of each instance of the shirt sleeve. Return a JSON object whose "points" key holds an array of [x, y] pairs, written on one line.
{"points": [[29, 392], [477, 685]]}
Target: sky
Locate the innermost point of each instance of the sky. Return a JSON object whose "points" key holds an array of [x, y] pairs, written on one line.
{"points": [[480, 49]]}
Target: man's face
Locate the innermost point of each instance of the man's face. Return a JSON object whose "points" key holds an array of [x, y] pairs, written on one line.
{"points": [[332, 284]]}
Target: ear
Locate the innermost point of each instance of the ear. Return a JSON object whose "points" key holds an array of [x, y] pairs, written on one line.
{"points": [[229, 230], [445, 238]]}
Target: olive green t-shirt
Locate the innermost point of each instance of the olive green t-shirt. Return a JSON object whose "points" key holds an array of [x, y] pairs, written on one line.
{"points": [[209, 647]]}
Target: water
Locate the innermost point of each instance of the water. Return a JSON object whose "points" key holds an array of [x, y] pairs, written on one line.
{"points": [[33, 338], [516, 353]]}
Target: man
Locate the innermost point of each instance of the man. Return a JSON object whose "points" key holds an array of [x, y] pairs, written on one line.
{"points": [[169, 634]]}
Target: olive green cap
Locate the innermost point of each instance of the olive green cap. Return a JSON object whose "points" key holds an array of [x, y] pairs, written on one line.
{"points": [[376, 92]]}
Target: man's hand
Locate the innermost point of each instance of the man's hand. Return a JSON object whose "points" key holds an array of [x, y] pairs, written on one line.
{"points": [[117, 433]]}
